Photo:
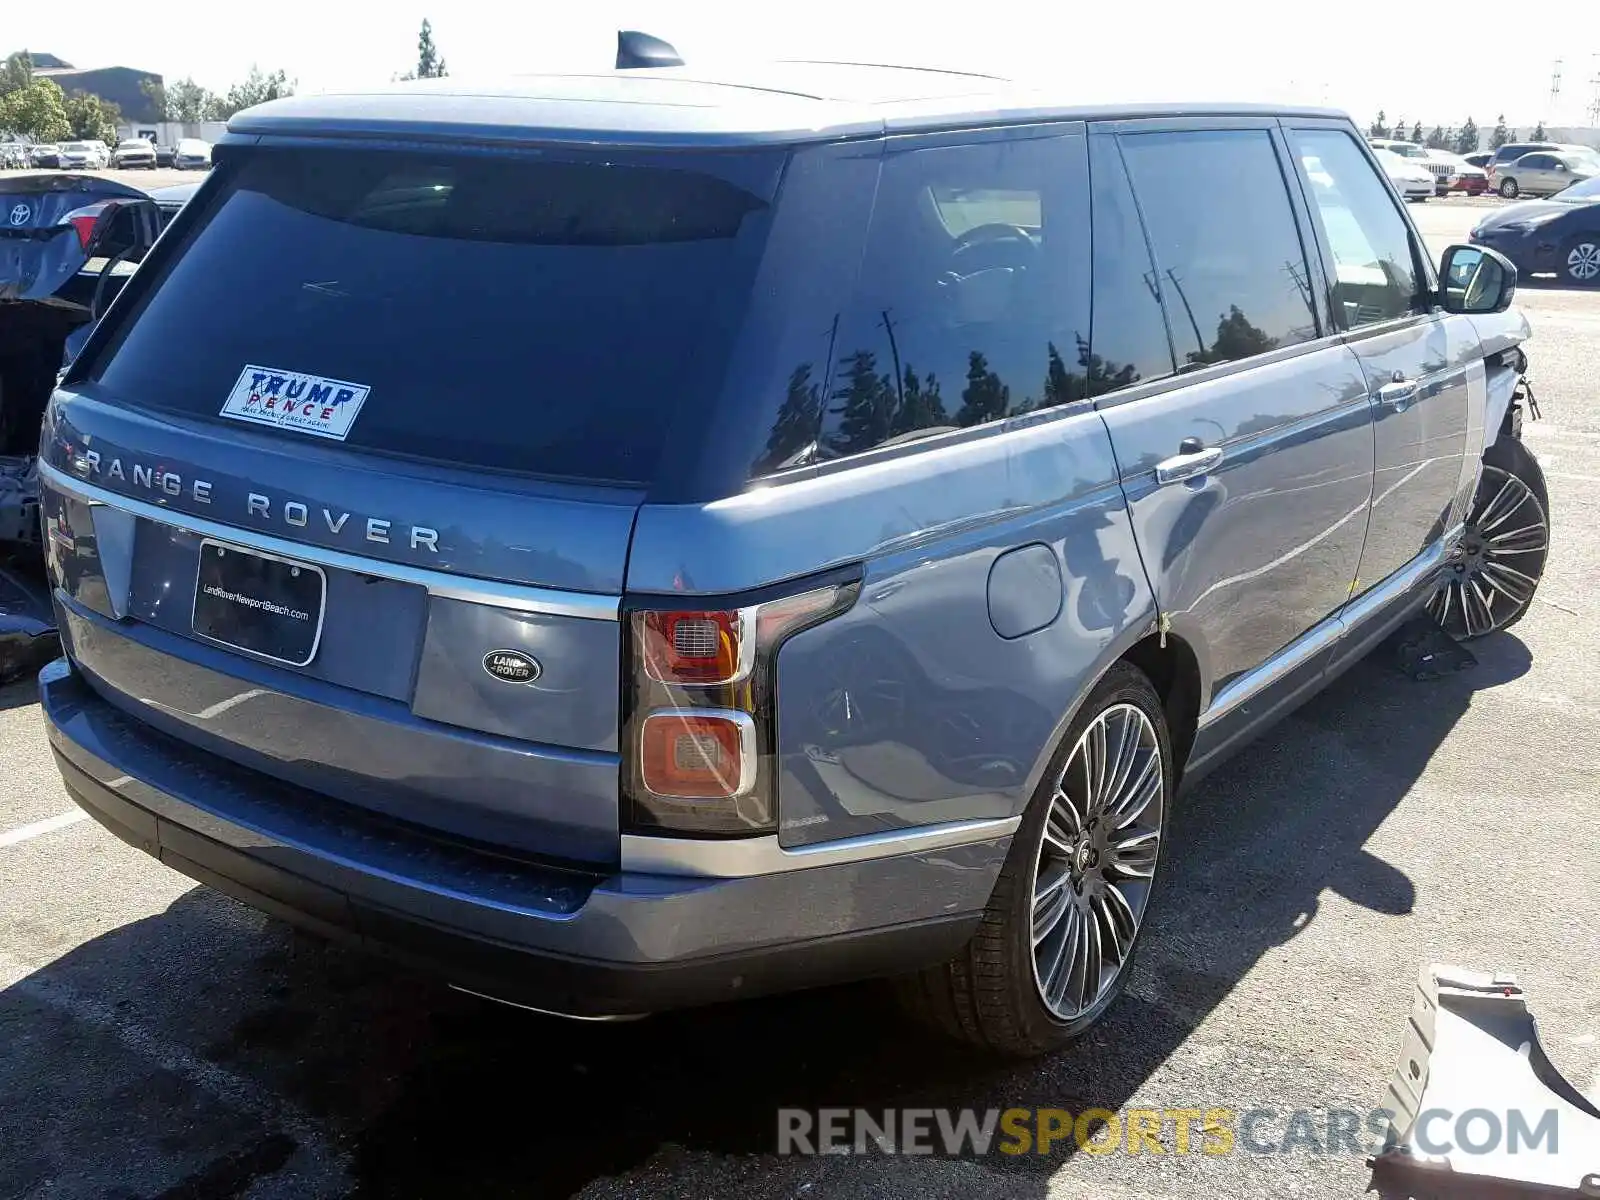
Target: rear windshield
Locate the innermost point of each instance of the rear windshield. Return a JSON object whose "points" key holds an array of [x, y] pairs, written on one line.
{"points": [[522, 314]]}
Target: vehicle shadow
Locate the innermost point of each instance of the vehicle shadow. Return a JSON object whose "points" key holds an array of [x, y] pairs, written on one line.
{"points": [[433, 1093], [19, 694]]}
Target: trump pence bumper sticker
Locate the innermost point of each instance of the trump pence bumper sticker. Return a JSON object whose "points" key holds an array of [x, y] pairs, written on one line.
{"points": [[294, 400]]}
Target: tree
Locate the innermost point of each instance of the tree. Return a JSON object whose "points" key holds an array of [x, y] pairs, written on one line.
{"points": [[1398, 133], [256, 88], [866, 411], [188, 102], [430, 64], [92, 118], [37, 111], [1501, 134], [794, 432], [921, 405], [1467, 137], [1438, 139], [1380, 127], [1416, 134], [984, 398], [16, 73], [1539, 133]]}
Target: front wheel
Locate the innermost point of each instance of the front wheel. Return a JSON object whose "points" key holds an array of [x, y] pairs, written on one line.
{"points": [[1581, 262], [1054, 946], [1490, 583], [1508, 188]]}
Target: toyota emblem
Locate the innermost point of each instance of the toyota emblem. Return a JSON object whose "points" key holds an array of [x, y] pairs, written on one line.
{"points": [[20, 213]]}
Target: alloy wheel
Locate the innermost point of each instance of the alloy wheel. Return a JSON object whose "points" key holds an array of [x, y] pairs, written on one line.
{"points": [[1096, 861], [1500, 559], [1583, 262]]}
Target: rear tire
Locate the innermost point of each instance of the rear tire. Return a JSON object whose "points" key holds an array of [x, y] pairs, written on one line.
{"points": [[1491, 583], [1508, 188], [1088, 889]]}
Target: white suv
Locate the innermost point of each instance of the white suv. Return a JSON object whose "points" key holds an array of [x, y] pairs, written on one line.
{"points": [[1443, 171]]}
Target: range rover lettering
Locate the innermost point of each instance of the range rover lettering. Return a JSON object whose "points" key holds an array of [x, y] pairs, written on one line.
{"points": [[781, 529]]}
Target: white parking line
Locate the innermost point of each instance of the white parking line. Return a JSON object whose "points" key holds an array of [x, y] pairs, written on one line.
{"points": [[1572, 478], [40, 828]]}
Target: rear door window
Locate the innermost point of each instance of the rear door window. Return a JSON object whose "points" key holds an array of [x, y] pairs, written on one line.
{"points": [[516, 313], [1228, 251], [973, 295]]}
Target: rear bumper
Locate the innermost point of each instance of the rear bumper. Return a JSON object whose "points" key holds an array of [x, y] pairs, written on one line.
{"points": [[562, 940]]}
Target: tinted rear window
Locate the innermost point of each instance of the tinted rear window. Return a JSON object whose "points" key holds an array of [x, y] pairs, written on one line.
{"points": [[522, 314]]}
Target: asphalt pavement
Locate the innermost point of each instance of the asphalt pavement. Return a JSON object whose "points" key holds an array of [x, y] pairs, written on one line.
{"points": [[162, 1041]]}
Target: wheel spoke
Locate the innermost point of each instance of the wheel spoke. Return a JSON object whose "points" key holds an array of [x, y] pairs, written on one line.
{"points": [[1091, 959], [1444, 601], [1509, 581], [1135, 857], [1139, 796], [1121, 923], [1054, 981], [1524, 540], [1485, 604], [1050, 904], [1127, 751], [1492, 509], [1095, 749], [1061, 825]]}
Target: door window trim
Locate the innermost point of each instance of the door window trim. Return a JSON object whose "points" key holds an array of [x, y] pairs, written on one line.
{"points": [[1426, 308], [1322, 301]]}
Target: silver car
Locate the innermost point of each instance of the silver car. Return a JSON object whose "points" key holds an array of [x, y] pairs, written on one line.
{"points": [[1545, 172], [81, 156], [135, 152]]}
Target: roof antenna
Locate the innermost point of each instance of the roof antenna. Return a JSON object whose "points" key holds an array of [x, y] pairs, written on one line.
{"points": [[635, 49]]}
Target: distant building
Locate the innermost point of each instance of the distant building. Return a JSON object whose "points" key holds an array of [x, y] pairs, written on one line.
{"points": [[122, 86]]}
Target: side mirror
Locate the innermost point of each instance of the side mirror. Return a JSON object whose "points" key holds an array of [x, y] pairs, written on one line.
{"points": [[1476, 279]]}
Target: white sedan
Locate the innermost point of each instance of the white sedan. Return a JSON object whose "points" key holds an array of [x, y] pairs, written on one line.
{"points": [[1411, 179]]}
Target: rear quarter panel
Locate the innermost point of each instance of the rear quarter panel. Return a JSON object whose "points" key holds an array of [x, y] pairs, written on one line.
{"points": [[941, 695]]}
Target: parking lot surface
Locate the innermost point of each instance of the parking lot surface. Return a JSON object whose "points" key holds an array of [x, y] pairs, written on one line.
{"points": [[160, 177], [163, 1041]]}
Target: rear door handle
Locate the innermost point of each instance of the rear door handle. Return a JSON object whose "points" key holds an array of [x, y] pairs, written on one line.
{"points": [[1399, 394], [1187, 464]]}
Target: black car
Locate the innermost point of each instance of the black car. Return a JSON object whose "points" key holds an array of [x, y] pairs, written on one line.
{"points": [[1557, 236]]}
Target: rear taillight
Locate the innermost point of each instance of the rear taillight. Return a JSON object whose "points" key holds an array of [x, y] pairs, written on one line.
{"points": [[698, 736], [83, 221]]}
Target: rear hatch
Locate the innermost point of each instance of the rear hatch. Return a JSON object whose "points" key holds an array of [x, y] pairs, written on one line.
{"points": [[343, 487]]}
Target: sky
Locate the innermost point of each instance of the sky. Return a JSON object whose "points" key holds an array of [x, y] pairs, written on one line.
{"points": [[1428, 60]]}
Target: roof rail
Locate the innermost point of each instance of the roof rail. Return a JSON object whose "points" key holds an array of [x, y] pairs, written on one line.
{"points": [[635, 49]]}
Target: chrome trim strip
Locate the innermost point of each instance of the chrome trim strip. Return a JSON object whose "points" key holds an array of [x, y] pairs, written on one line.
{"points": [[1308, 645], [1329, 631], [736, 858], [513, 596]]}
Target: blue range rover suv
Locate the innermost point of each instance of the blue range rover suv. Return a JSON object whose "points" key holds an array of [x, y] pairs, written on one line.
{"points": [[643, 539]]}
